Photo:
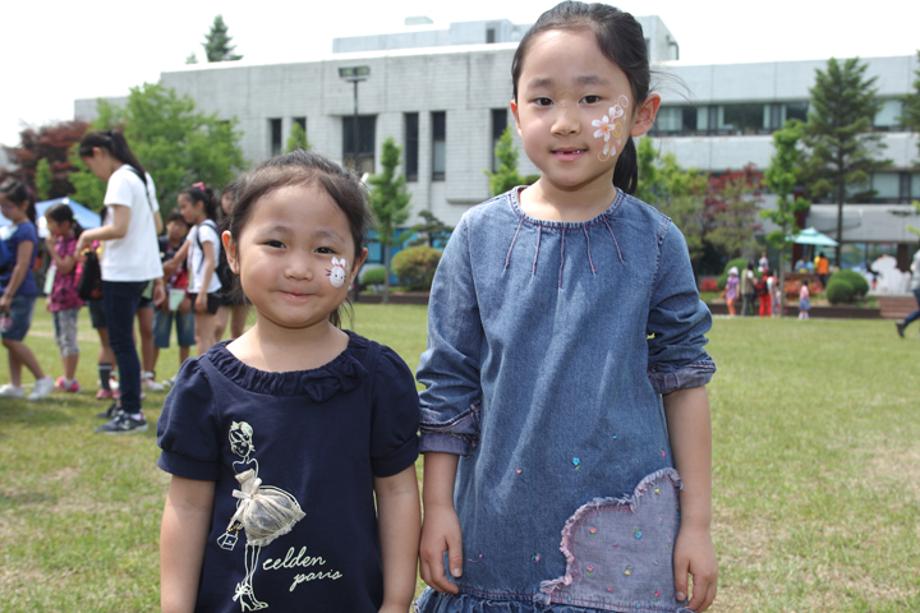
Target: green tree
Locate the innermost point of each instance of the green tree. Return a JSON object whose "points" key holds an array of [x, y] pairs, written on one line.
{"points": [[910, 115], [843, 151], [191, 59], [730, 211], [43, 179], [297, 139], [217, 47], [676, 192], [176, 143], [783, 176], [506, 174], [430, 230], [389, 204]]}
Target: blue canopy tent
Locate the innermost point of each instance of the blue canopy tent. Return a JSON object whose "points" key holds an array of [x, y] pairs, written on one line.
{"points": [[86, 217]]}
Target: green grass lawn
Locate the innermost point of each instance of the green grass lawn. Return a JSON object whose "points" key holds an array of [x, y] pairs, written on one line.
{"points": [[816, 472]]}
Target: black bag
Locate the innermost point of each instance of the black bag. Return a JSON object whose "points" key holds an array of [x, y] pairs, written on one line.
{"points": [[89, 285], [222, 267]]}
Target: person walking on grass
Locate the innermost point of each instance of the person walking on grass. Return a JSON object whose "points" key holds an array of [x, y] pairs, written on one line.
{"points": [[64, 301], [804, 300], [130, 260], [18, 289], [915, 288]]}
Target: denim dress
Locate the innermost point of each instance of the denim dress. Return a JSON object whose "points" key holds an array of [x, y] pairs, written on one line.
{"points": [[550, 345]]}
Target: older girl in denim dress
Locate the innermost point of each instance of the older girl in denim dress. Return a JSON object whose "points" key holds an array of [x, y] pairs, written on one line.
{"points": [[565, 363]]}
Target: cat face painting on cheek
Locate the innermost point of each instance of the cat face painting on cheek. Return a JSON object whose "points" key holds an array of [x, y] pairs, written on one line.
{"points": [[338, 272], [610, 127]]}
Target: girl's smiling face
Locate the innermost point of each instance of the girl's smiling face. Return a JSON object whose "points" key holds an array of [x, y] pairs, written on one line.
{"points": [[565, 89], [285, 252]]}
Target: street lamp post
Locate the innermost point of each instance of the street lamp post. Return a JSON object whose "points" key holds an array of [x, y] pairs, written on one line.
{"points": [[354, 74]]}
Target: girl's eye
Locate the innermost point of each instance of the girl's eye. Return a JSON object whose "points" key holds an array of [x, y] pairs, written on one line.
{"points": [[592, 99], [326, 250], [274, 243], [543, 101]]}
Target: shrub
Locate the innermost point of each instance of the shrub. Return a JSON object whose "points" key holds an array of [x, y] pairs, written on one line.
{"points": [[415, 267], [854, 279], [739, 263], [373, 274], [840, 291]]}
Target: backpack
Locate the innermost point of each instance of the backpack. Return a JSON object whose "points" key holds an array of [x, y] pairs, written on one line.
{"points": [[222, 270], [89, 277]]}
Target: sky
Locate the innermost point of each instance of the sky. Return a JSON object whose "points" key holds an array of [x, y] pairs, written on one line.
{"points": [[55, 51]]}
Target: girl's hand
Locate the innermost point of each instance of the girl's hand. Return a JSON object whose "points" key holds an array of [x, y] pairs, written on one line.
{"points": [[201, 302], [392, 608], [5, 302], [440, 533], [695, 555], [159, 294]]}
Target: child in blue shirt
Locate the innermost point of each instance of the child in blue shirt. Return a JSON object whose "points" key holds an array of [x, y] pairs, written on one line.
{"points": [[292, 448], [565, 363], [18, 289]]}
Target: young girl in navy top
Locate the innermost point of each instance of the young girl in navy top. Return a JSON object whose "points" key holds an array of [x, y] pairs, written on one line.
{"points": [[565, 363], [281, 441]]}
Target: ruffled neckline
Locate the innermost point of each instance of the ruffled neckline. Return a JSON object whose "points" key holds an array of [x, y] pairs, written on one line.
{"points": [[343, 373], [514, 197]]}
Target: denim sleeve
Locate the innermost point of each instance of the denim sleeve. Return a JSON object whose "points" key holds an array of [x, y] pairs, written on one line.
{"points": [[449, 367], [678, 320]]}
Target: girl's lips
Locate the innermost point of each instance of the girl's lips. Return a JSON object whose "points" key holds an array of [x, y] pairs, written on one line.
{"points": [[568, 154]]}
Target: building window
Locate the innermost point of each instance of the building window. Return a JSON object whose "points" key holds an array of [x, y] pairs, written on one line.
{"points": [[274, 131], [887, 186], [742, 118], [796, 110], [499, 123], [889, 115], [915, 186], [490, 35], [302, 122], [438, 145], [362, 159], [689, 115], [411, 139], [668, 120]]}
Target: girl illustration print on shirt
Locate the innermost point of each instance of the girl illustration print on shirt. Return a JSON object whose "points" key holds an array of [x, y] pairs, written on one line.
{"points": [[263, 512]]}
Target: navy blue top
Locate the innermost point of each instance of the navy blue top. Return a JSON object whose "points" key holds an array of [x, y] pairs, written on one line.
{"points": [[298, 532], [550, 345], [23, 232]]}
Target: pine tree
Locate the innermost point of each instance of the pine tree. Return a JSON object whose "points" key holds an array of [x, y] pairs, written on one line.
{"points": [[843, 151], [389, 204], [911, 113], [217, 47], [783, 176], [506, 174]]}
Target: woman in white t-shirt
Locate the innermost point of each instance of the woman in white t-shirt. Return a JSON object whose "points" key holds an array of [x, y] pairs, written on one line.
{"points": [[130, 260], [198, 207]]}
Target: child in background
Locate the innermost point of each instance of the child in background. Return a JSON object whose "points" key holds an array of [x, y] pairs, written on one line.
{"points": [[281, 441], [233, 307], [64, 301], [762, 289], [731, 290], [175, 272], [563, 318], [18, 290], [804, 300]]}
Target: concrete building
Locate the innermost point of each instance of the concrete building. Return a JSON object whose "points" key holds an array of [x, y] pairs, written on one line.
{"points": [[443, 95]]}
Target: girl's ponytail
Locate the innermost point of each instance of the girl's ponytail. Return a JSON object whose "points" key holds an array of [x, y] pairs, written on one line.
{"points": [[626, 173]]}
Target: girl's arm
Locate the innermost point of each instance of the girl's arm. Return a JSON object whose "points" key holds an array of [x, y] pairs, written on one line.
{"points": [[121, 217], [183, 532], [398, 519], [181, 256], [441, 528], [207, 250], [20, 270], [687, 412]]}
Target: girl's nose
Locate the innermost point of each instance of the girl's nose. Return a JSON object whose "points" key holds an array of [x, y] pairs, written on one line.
{"points": [[299, 267], [566, 121]]}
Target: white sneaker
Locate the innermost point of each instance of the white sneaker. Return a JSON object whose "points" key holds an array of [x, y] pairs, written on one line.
{"points": [[151, 384], [8, 390], [42, 388]]}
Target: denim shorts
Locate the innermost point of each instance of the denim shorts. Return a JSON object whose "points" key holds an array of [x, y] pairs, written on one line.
{"points": [[162, 327], [20, 318], [96, 314]]}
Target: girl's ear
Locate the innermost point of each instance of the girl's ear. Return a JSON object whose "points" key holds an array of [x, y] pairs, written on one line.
{"points": [[356, 267], [514, 112], [233, 257], [644, 117]]}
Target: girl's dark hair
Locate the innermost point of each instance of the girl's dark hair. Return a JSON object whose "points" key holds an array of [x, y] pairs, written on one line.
{"points": [[61, 213], [175, 215], [18, 192], [231, 191], [114, 142], [620, 38], [304, 168], [199, 192]]}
